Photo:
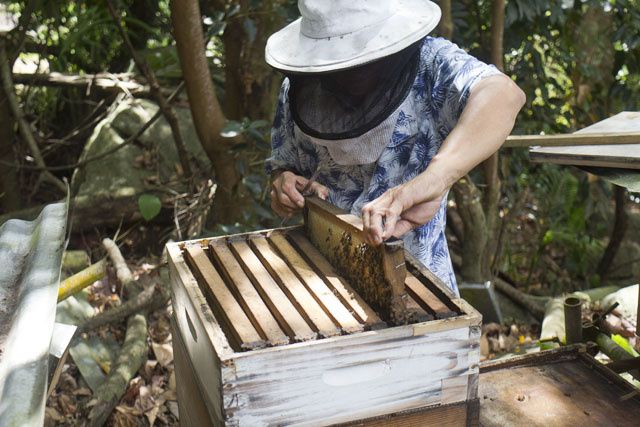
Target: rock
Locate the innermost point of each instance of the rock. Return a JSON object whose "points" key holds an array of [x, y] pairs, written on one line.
{"points": [[145, 166]]}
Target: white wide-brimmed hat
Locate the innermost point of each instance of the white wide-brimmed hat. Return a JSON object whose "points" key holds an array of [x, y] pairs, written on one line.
{"points": [[333, 35]]}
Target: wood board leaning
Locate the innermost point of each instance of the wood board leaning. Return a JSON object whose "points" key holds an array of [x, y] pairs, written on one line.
{"points": [[318, 354]]}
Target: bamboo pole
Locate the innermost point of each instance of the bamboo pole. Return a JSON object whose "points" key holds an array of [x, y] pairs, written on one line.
{"points": [[81, 280], [573, 320]]}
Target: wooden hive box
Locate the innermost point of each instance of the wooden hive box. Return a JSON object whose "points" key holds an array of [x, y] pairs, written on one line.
{"points": [[563, 387], [267, 333]]}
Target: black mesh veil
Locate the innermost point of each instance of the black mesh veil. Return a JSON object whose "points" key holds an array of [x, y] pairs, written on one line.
{"points": [[348, 103]]}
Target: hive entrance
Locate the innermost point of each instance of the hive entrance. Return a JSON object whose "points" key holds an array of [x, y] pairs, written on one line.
{"points": [[276, 288]]}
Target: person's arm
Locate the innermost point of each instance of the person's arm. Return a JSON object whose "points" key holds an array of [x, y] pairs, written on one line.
{"points": [[486, 121], [284, 163]]}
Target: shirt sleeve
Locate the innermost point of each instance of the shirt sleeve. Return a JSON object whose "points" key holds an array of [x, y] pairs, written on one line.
{"points": [[453, 73], [284, 151]]}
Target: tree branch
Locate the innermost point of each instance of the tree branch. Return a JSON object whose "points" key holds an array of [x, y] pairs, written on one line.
{"points": [[132, 354], [156, 93], [105, 82], [23, 125], [446, 23]]}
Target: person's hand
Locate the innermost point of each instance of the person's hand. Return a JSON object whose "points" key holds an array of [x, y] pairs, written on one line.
{"points": [[286, 193], [395, 213]]}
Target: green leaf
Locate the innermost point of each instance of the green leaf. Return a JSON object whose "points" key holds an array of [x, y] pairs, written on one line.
{"points": [[232, 129], [149, 206]]}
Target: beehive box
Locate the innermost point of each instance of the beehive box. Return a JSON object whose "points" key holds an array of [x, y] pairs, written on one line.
{"points": [[562, 387], [269, 334]]}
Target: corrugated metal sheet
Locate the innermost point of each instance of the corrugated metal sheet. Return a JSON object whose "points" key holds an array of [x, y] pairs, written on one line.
{"points": [[30, 260]]}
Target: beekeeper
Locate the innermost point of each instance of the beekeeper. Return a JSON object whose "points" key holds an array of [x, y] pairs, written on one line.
{"points": [[389, 117]]}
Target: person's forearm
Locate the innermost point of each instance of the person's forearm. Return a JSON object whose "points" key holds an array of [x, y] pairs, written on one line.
{"points": [[484, 124]]}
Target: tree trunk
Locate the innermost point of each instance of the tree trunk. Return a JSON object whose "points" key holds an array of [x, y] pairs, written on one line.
{"points": [[251, 85], [446, 23], [208, 117], [9, 191], [497, 33], [490, 166], [468, 200], [617, 235]]}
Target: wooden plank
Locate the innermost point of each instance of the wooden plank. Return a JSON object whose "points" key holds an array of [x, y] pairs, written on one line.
{"points": [[358, 306], [350, 377], [191, 404], [287, 315], [330, 302], [203, 338], [435, 284], [423, 295], [222, 300], [572, 139], [248, 296], [604, 154], [442, 416], [293, 287], [377, 273], [621, 156]]}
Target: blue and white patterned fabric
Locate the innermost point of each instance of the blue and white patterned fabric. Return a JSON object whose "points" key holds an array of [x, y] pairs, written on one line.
{"points": [[443, 82]]}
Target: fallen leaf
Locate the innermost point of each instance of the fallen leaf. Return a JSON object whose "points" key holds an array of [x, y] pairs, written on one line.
{"points": [[173, 408], [171, 384], [149, 368], [67, 404], [170, 395], [122, 419], [52, 415], [82, 391], [163, 353]]}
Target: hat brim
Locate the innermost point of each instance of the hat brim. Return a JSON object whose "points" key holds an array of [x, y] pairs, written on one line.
{"points": [[290, 50]]}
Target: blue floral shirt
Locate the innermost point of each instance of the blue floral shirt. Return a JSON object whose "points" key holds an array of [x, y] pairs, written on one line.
{"points": [[443, 82]]}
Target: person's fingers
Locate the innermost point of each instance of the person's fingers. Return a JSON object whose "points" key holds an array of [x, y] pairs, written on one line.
{"points": [[390, 221], [284, 199], [402, 227], [375, 228], [289, 188], [280, 208], [319, 190], [366, 218], [391, 218], [277, 208], [301, 182]]}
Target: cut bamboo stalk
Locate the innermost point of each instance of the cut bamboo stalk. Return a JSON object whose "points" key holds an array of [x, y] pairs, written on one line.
{"points": [[430, 302], [222, 301], [248, 296], [319, 289], [359, 307], [82, 279], [287, 315], [298, 293]]}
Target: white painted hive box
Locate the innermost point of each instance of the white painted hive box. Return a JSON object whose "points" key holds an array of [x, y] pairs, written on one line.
{"points": [[255, 366]]}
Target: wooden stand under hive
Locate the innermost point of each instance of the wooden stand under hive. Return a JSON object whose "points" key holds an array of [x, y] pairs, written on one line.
{"points": [[268, 333]]}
